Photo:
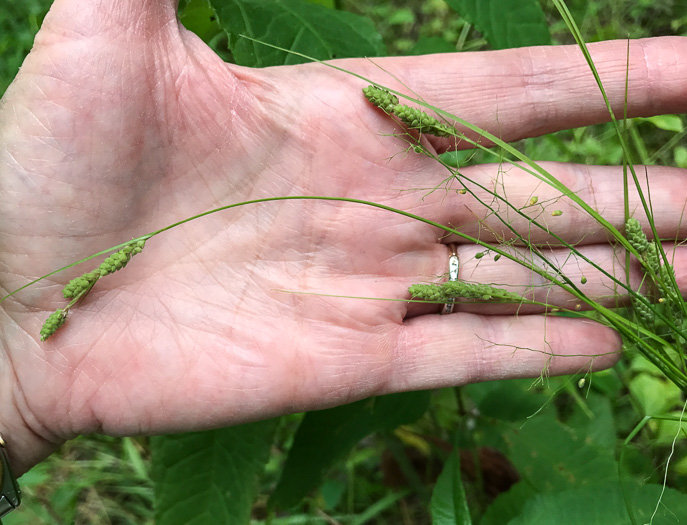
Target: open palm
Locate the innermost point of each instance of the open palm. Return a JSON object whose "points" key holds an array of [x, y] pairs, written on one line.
{"points": [[121, 122]]}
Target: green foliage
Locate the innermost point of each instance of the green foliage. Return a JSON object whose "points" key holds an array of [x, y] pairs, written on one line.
{"points": [[605, 505], [506, 23], [326, 436], [19, 22], [449, 503], [210, 477], [296, 25]]}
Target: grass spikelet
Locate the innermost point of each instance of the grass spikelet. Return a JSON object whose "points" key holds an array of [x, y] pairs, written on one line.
{"points": [[52, 323]]}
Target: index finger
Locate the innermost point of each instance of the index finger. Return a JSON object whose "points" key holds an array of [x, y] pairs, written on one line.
{"points": [[526, 92]]}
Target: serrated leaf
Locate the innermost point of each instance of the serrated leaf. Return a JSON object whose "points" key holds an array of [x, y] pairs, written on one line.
{"points": [[506, 23], [205, 478], [449, 505], [605, 505], [295, 25], [327, 436]]}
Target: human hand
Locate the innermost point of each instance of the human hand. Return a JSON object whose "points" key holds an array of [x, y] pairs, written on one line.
{"points": [[121, 122]]}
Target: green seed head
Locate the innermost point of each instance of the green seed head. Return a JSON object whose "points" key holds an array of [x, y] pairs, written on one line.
{"points": [[119, 260], [421, 121], [557, 213], [453, 289], [80, 285], [52, 323], [380, 98], [635, 235]]}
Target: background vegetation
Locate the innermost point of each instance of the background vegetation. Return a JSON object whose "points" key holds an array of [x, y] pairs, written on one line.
{"points": [[554, 443]]}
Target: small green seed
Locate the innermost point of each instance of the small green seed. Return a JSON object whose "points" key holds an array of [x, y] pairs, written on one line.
{"points": [[583, 280], [534, 201], [557, 213], [479, 255], [497, 257]]}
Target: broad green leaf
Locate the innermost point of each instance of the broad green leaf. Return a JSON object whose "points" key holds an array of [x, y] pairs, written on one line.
{"points": [[654, 395], [199, 17], [553, 457], [593, 417], [605, 505], [449, 505], [508, 505], [210, 477], [506, 23], [326, 436], [511, 400], [296, 25]]}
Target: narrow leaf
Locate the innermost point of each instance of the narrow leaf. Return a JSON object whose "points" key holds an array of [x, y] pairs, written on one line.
{"points": [[210, 477], [506, 23], [295, 25], [449, 505]]}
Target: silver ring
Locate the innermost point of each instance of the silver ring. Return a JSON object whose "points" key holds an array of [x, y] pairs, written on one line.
{"points": [[453, 267]]}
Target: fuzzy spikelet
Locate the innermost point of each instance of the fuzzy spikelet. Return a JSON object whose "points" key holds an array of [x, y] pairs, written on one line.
{"points": [[450, 290], [80, 285], [52, 323], [119, 260], [635, 235], [644, 312], [380, 98], [411, 117], [421, 121]]}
